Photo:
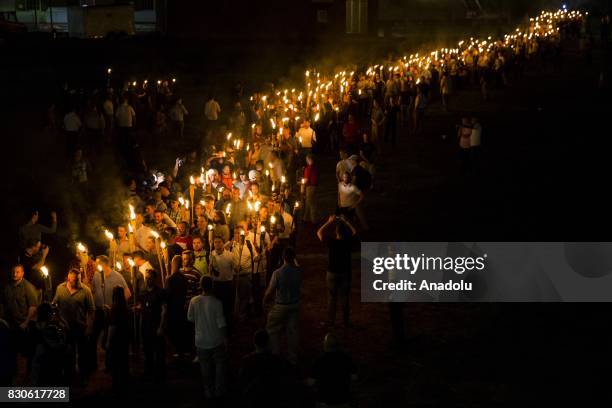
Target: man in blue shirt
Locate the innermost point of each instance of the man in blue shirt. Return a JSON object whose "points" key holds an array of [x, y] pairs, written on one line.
{"points": [[285, 286]]}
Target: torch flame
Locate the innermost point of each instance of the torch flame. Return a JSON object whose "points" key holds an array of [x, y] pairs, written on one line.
{"points": [[45, 271], [108, 234]]}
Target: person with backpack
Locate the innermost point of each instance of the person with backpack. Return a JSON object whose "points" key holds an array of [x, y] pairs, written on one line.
{"points": [[50, 348]]}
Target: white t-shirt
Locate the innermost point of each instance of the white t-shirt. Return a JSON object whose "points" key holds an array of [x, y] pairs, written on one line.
{"points": [[349, 195], [72, 122], [178, 113], [206, 312], [476, 135], [125, 116], [108, 107], [212, 110], [308, 136], [141, 235], [288, 221], [223, 264]]}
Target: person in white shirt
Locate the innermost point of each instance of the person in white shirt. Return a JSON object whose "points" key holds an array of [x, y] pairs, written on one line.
{"points": [[177, 115], [72, 128], [141, 232], [277, 168], [349, 199], [306, 137], [72, 122], [125, 116], [211, 112], [206, 312], [222, 267]]}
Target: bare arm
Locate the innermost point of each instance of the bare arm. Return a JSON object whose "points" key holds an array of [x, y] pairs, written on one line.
{"points": [[348, 224], [270, 291], [324, 227]]}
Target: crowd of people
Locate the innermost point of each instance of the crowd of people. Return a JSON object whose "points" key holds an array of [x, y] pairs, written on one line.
{"points": [[211, 243]]}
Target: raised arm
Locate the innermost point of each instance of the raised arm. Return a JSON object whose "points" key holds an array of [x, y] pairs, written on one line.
{"points": [[324, 227]]}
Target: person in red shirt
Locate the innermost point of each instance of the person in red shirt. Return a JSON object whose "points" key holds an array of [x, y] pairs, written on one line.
{"points": [[310, 181], [183, 239], [227, 178], [350, 132]]}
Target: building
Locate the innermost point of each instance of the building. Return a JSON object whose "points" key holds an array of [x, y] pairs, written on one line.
{"points": [[41, 15]]}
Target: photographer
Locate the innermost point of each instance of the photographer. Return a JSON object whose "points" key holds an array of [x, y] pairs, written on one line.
{"points": [[339, 267], [33, 258]]}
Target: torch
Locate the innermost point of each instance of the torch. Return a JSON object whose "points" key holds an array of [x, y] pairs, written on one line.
{"points": [[82, 254], [164, 266], [210, 237], [191, 194], [45, 272], [103, 283], [262, 237], [112, 245], [158, 250], [134, 270]]}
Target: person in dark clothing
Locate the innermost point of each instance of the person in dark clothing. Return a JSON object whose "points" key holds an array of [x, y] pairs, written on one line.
{"points": [[179, 334], [332, 374], [33, 258], [118, 342], [391, 118], [154, 304], [75, 305], [339, 267], [7, 355], [50, 348], [19, 302]]}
